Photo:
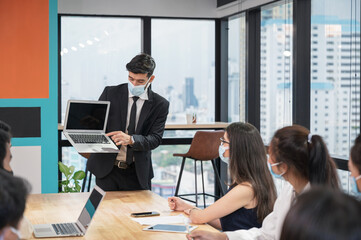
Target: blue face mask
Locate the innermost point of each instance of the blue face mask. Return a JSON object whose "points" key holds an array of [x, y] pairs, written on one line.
{"points": [[138, 90], [221, 151], [279, 176], [354, 187]]}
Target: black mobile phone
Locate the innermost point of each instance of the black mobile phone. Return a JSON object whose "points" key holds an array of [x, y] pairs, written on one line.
{"points": [[144, 214]]}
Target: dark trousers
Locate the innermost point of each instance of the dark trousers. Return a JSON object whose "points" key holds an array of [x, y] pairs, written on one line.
{"points": [[121, 180]]}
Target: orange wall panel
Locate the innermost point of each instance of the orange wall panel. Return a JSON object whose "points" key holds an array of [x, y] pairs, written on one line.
{"points": [[24, 49]]}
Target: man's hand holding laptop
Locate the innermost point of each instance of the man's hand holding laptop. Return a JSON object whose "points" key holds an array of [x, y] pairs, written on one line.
{"points": [[120, 138]]}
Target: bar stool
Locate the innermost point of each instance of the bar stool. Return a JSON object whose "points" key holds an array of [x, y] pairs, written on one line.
{"points": [[85, 179], [86, 155], [204, 147]]}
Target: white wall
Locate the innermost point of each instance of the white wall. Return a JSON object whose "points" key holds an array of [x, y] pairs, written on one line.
{"points": [[158, 8], [161, 8], [26, 163], [239, 5]]}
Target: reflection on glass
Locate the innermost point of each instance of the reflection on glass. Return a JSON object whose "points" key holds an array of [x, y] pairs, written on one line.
{"points": [[184, 51], [94, 52], [335, 73], [276, 68], [236, 68]]}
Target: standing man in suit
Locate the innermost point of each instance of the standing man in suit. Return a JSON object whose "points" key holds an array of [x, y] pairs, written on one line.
{"points": [[136, 123]]}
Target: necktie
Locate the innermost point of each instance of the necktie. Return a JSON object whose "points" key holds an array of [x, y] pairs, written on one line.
{"points": [[131, 129]]}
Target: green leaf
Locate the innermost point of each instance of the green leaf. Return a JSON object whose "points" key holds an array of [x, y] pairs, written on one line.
{"points": [[64, 182], [63, 168], [79, 175], [66, 185], [71, 170]]}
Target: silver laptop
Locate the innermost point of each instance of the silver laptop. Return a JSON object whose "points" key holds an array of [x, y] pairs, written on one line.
{"points": [[85, 124], [77, 228]]}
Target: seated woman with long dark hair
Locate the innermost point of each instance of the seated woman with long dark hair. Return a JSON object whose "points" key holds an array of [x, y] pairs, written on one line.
{"points": [[302, 160], [251, 194]]}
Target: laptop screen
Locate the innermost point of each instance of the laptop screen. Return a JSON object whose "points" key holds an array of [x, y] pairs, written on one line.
{"points": [[86, 116], [89, 209]]}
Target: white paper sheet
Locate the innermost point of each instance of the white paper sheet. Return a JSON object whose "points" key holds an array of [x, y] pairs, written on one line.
{"points": [[161, 220]]}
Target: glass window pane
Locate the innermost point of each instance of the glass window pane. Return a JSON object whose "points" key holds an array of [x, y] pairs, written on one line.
{"points": [[166, 171], [276, 68], [335, 73], [236, 68], [184, 51], [94, 52], [71, 157]]}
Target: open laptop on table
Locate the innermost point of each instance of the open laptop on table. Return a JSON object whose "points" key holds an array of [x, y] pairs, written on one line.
{"points": [[85, 124], [77, 228]]}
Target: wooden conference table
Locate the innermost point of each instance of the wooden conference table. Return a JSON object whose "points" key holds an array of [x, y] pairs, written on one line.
{"points": [[112, 219]]}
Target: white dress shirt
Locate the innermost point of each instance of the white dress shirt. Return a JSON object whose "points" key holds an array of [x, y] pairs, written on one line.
{"points": [[273, 223], [122, 155]]}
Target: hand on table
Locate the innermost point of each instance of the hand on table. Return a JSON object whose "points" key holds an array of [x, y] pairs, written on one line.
{"points": [[178, 204], [206, 235], [120, 138]]}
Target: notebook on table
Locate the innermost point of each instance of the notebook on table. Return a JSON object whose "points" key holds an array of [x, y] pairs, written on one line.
{"points": [[85, 125], [77, 228]]}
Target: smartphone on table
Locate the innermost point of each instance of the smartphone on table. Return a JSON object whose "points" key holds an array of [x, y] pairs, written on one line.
{"points": [[144, 214]]}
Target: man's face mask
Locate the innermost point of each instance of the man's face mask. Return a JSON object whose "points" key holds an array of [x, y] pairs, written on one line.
{"points": [[138, 90]]}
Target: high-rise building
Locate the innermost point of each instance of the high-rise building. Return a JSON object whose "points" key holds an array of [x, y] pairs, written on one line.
{"points": [[189, 99], [335, 80]]}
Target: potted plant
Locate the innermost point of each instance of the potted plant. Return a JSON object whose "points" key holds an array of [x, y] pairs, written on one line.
{"points": [[71, 182]]}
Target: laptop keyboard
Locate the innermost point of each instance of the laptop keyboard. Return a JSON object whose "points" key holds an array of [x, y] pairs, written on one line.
{"points": [[65, 229], [89, 138]]}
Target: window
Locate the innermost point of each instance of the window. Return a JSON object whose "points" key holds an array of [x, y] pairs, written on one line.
{"points": [[276, 110], [94, 52], [236, 68], [166, 170], [185, 72], [340, 22], [184, 51]]}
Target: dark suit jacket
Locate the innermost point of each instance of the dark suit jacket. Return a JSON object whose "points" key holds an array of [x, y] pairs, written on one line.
{"points": [[148, 134]]}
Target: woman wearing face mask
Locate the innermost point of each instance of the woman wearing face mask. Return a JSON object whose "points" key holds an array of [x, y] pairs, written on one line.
{"points": [[251, 194], [354, 165], [302, 160]]}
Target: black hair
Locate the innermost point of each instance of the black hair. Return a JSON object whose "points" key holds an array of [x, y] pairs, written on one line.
{"points": [[4, 140], [323, 214], [248, 163], [4, 126], [142, 63], [356, 153], [13, 193], [306, 155]]}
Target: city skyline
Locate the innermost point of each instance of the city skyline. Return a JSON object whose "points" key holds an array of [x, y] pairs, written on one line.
{"points": [[335, 57]]}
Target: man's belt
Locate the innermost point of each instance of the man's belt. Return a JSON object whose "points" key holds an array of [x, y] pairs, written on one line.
{"points": [[121, 164]]}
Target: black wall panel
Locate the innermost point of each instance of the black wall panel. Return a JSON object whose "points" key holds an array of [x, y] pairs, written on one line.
{"points": [[24, 121]]}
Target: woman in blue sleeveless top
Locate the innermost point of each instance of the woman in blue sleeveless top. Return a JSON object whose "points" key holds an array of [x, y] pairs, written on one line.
{"points": [[252, 193]]}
